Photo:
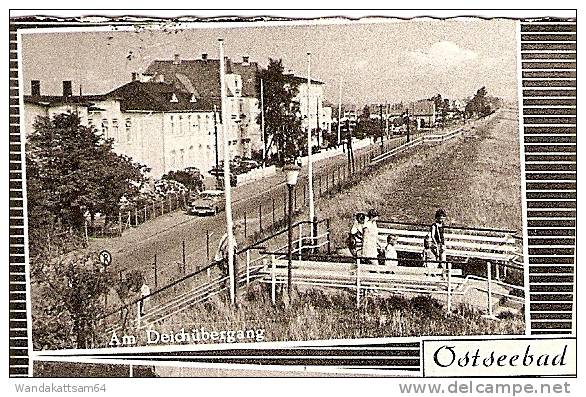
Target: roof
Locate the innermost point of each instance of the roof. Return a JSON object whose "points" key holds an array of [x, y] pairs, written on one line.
{"points": [[158, 97], [202, 77], [302, 80], [56, 100]]}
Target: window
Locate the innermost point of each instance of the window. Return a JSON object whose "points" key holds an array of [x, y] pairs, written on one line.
{"points": [[115, 131], [180, 125], [172, 118], [182, 158], [128, 124], [105, 128], [189, 122]]}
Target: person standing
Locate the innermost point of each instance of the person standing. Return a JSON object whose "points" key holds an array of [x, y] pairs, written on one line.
{"points": [[371, 245], [356, 237], [391, 252], [437, 240], [222, 253]]}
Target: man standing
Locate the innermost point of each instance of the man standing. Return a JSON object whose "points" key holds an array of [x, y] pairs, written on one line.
{"points": [[222, 253], [438, 243]]}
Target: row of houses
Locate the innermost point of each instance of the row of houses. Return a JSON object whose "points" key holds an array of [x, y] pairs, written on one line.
{"points": [[169, 117]]}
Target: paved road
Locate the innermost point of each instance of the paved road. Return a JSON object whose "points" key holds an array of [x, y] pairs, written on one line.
{"points": [[164, 236]]}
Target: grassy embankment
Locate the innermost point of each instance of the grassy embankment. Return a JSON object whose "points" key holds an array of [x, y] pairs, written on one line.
{"points": [[476, 178]]}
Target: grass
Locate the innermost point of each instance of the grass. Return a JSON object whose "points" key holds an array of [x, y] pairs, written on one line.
{"points": [[475, 177], [315, 314]]}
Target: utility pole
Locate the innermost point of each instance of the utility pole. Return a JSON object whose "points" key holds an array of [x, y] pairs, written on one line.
{"points": [[318, 127], [309, 162], [340, 111], [408, 126], [216, 147], [381, 127], [227, 193], [262, 123], [387, 119]]}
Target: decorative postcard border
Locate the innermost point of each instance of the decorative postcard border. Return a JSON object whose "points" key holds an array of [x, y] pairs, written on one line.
{"points": [[547, 69]]}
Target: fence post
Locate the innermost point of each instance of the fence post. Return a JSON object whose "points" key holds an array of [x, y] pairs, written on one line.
{"points": [[284, 204], [209, 272], [273, 212], [155, 267], [358, 282], [295, 198], [300, 239], [183, 255], [120, 222], [449, 287], [135, 216], [247, 267], [145, 213], [245, 221], [273, 280], [497, 275], [328, 231], [489, 287], [260, 217], [85, 229]]}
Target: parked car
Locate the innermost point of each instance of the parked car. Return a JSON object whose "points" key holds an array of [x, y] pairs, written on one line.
{"points": [[208, 202]]}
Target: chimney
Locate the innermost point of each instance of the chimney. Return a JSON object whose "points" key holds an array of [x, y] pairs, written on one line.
{"points": [[176, 60], [35, 87], [204, 56], [67, 88], [134, 76], [245, 60]]}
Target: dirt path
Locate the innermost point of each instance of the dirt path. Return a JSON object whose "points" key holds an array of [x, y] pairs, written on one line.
{"points": [[475, 178]]}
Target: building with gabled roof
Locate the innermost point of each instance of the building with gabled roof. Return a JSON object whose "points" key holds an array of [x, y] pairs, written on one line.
{"points": [[154, 123], [201, 77]]}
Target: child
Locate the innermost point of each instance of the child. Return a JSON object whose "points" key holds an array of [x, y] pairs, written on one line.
{"points": [[391, 252], [427, 255]]}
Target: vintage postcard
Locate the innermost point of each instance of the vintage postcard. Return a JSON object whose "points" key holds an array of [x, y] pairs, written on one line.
{"points": [[390, 196]]}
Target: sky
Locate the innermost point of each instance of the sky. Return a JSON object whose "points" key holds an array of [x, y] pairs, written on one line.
{"points": [[377, 61]]}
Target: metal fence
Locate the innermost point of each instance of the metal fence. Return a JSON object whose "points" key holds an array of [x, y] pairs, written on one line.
{"points": [[210, 280], [177, 273], [115, 225]]}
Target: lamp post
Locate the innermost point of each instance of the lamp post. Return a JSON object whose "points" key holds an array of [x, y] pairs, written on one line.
{"points": [[292, 172]]}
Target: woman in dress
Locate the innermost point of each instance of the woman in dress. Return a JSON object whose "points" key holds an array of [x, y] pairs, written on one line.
{"points": [[371, 245]]}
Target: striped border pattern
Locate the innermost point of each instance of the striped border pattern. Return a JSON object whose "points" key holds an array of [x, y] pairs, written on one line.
{"points": [[383, 356], [548, 70], [548, 52], [18, 324]]}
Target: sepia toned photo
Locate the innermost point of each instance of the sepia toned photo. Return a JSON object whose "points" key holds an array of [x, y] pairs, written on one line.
{"points": [[192, 186]]}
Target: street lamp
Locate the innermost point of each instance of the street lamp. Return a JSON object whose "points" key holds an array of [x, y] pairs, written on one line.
{"points": [[292, 173]]}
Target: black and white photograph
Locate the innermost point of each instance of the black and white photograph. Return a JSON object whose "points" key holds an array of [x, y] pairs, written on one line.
{"points": [[280, 196]]}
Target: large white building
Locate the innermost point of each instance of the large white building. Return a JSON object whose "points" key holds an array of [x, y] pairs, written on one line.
{"points": [[311, 106], [152, 122]]}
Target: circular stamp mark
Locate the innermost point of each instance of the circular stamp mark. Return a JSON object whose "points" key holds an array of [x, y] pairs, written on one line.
{"points": [[105, 257]]}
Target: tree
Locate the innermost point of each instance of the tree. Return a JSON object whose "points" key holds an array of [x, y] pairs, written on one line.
{"points": [[281, 112], [68, 298], [479, 105], [73, 171]]}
